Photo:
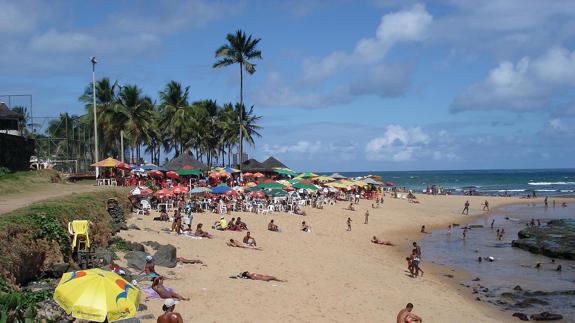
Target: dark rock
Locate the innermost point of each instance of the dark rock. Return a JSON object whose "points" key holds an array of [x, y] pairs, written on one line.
{"points": [[476, 279], [104, 255], [448, 275], [166, 256], [133, 227], [147, 317], [153, 244], [475, 226], [130, 320], [517, 288], [135, 246], [521, 316], [57, 270], [528, 302], [49, 311], [136, 259], [142, 307], [546, 316], [123, 226], [556, 240], [477, 298]]}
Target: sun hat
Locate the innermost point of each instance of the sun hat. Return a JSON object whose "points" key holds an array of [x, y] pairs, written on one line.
{"points": [[169, 302]]}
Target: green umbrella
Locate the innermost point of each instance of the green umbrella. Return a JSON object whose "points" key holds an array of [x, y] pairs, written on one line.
{"points": [[285, 171], [276, 193], [253, 189], [305, 186], [307, 175], [271, 185], [294, 181], [189, 171]]}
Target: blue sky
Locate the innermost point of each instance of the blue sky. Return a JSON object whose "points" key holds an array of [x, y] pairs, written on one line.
{"points": [[343, 85]]}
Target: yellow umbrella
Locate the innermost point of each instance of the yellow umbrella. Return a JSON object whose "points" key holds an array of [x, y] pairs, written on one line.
{"points": [[284, 183], [337, 185], [360, 183], [95, 294], [324, 179], [251, 184], [108, 162]]}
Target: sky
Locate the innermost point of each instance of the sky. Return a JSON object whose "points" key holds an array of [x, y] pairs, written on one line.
{"points": [[342, 85]]}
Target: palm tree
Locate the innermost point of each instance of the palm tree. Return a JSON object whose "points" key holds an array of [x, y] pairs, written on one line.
{"points": [[240, 49], [248, 125], [138, 116], [175, 114]]}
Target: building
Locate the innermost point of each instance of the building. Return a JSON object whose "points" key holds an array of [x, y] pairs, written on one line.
{"points": [[235, 158], [10, 121]]}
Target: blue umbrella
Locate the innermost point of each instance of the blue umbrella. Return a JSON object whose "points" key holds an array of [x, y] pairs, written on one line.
{"points": [[221, 189]]}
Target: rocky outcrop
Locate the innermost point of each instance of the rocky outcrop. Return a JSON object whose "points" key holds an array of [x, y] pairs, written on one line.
{"points": [[555, 240]]}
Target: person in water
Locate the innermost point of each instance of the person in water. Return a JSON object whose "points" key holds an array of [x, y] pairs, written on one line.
{"points": [[406, 316], [169, 315]]}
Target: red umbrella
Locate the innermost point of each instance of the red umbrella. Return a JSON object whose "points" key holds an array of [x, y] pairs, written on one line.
{"points": [[145, 191], [269, 181], [155, 173], [248, 174], [177, 190], [258, 194], [187, 167], [184, 188], [232, 193], [258, 174], [163, 192], [124, 166], [172, 175]]}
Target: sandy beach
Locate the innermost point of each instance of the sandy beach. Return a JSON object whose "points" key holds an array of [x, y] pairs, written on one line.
{"points": [[333, 275]]}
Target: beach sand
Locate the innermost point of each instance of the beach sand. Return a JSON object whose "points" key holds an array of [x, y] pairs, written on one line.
{"points": [[333, 275]]}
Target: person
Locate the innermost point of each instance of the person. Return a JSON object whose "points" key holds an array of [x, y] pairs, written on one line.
{"points": [[466, 208], [163, 216], [423, 229], [416, 249], [348, 224], [415, 260], [223, 224], [497, 234], [546, 203], [202, 233], [254, 276], [383, 242], [149, 268], [366, 216], [249, 240], [177, 225], [405, 315], [350, 207], [449, 229], [538, 222], [485, 206], [169, 316], [272, 226], [305, 227], [234, 243], [564, 204], [465, 229], [241, 224], [158, 287], [501, 233], [492, 223]]}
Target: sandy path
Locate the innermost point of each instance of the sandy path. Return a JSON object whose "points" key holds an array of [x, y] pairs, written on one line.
{"points": [[10, 202], [333, 275]]}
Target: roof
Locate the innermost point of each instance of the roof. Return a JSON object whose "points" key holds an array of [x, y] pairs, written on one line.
{"points": [[272, 162], [6, 113], [185, 159], [253, 165]]}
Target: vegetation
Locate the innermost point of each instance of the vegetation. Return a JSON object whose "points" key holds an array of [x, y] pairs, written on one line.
{"points": [[16, 306], [21, 181]]}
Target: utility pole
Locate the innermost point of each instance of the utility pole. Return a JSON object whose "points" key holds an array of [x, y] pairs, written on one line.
{"points": [[93, 60], [122, 144]]}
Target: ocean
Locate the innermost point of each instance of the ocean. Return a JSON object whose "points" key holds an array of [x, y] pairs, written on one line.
{"points": [[544, 182]]}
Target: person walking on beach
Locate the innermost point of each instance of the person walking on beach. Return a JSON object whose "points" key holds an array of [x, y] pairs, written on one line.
{"points": [[405, 315], [485, 206], [492, 223], [366, 217], [466, 208], [348, 224], [416, 249], [169, 315]]}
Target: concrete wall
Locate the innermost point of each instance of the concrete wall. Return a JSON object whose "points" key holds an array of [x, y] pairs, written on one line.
{"points": [[15, 152]]}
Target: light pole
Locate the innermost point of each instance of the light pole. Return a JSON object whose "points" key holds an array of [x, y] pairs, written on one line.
{"points": [[93, 60]]}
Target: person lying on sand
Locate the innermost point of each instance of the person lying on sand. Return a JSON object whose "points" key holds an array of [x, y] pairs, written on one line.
{"points": [[158, 287], [273, 227], [383, 242], [405, 315], [169, 316], [201, 233], [249, 240], [305, 227], [188, 261], [254, 276], [350, 207], [234, 243]]}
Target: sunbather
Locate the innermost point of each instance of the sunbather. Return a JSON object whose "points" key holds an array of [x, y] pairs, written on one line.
{"points": [[254, 276], [272, 226], [234, 243], [249, 240], [158, 287], [201, 233], [383, 242]]}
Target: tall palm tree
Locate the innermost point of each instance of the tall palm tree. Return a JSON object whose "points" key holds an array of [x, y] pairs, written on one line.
{"points": [[175, 114], [248, 125], [240, 49], [138, 113]]}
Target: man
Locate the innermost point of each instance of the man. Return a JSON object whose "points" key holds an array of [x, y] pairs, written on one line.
{"points": [[241, 224], [486, 206], [367, 216], [405, 315], [223, 224], [249, 240], [348, 224], [237, 244], [254, 276], [383, 242], [416, 249], [466, 208], [272, 226], [169, 315], [158, 287]]}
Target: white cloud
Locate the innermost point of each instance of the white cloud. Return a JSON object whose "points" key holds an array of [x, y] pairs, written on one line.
{"points": [[17, 16], [396, 144], [302, 147], [522, 86]]}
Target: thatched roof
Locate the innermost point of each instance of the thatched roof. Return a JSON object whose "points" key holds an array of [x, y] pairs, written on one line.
{"points": [[6, 113], [272, 163], [252, 165], [185, 159]]}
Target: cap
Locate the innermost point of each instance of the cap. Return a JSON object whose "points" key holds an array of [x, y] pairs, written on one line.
{"points": [[149, 258], [222, 217], [169, 302]]}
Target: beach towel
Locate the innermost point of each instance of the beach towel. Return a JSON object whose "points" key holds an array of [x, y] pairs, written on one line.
{"points": [[152, 293]]}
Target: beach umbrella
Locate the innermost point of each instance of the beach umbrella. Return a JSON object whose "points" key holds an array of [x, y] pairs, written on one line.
{"points": [[155, 173], [153, 167], [141, 191], [337, 185], [258, 175], [248, 174], [97, 295], [138, 170], [123, 166], [163, 192], [187, 167], [189, 171], [177, 190], [305, 186], [200, 189], [294, 181], [284, 171], [232, 193], [337, 176], [324, 179], [258, 194], [238, 188], [172, 175], [231, 170], [277, 193], [108, 162], [284, 183], [271, 185], [221, 189], [306, 175], [251, 184]]}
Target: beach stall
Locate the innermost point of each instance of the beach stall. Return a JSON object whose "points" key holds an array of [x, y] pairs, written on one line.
{"points": [[106, 163]]}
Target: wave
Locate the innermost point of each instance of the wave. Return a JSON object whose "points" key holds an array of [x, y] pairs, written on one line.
{"points": [[550, 183]]}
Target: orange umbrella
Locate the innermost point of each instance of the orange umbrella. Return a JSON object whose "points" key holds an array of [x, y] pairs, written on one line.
{"points": [[108, 162], [258, 194], [124, 166], [172, 175], [155, 173], [177, 190], [163, 192], [248, 174], [258, 174]]}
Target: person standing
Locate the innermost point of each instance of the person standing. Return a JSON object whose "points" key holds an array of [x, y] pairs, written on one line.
{"points": [[348, 224], [170, 316], [466, 208], [486, 206], [366, 217]]}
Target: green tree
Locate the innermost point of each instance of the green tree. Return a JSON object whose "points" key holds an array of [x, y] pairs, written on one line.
{"points": [[137, 115], [175, 115]]}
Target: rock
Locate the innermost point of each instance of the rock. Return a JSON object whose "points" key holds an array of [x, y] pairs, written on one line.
{"points": [[521, 316], [136, 259], [528, 302], [133, 227], [448, 275], [135, 246], [130, 320], [475, 226], [517, 288], [476, 279], [478, 299], [153, 244], [57, 270], [123, 226], [546, 316], [166, 256], [104, 255], [555, 240], [147, 317], [49, 311], [142, 307]]}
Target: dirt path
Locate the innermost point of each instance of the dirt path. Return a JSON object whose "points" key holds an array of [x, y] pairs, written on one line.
{"points": [[10, 202]]}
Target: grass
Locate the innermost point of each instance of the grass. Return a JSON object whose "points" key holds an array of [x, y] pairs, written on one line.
{"points": [[21, 181]]}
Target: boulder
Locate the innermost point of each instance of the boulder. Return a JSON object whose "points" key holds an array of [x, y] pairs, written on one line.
{"points": [[147, 317], [57, 270], [555, 240], [135, 246], [517, 288], [546, 316], [133, 227], [166, 256], [153, 244], [123, 226], [521, 316], [528, 302], [136, 259], [49, 311], [104, 255]]}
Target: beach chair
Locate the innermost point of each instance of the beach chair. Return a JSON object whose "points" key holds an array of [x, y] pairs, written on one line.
{"points": [[79, 230]]}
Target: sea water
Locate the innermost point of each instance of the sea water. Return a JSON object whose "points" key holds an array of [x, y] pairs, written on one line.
{"points": [[544, 182], [512, 266]]}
